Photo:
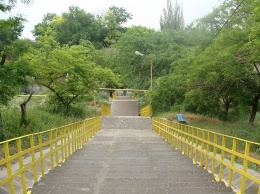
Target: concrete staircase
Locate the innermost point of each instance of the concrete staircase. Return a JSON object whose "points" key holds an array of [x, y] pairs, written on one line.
{"points": [[125, 115], [124, 106], [126, 122], [126, 156]]}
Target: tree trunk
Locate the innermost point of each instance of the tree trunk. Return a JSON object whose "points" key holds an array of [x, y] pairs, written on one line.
{"points": [[256, 98], [227, 102], [1, 121], [23, 110], [3, 58], [254, 109]]}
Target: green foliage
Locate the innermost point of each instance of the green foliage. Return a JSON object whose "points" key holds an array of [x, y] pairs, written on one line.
{"points": [[214, 77], [10, 30], [13, 75], [38, 120], [238, 128], [121, 15], [76, 110], [112, 23], [206, 68], [172, 17], [71, 27], [75, 25], [67, 71], [41, 116]]}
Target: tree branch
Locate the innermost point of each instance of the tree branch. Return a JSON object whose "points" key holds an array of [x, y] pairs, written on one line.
{"points": [[3, 58], [29, 98]]}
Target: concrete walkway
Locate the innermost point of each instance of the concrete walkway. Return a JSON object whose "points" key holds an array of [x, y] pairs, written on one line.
{"points": [[125, 157], [129, 161]]}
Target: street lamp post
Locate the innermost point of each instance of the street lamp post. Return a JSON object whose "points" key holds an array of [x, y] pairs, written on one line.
{"points": [[151, 68]]}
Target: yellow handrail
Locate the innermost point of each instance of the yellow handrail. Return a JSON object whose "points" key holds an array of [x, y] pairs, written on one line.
{"points": [[205, 147], [105, 109], [137, 97], [114, 96], [146, 111], [33, 151]]}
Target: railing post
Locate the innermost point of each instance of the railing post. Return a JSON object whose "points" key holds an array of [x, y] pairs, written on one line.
{"points": [[214, 153], [9, 167], [202, 148], [207, 154], [222, 158], [41, 154], [19, 149], [245, 164], [69, 140], [65, 142], [35, 175], [197, 146], [234, 147], [51, 149], [56, 146], [61, 139], [192, 143]]}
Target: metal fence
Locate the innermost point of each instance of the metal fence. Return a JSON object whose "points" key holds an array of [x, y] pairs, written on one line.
{"points": [[33, 155], [220, 154], [105, 109], [146, 111]]}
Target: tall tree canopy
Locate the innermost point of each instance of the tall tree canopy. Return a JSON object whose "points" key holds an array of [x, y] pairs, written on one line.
{"points": [[172, 17], [76, 24]]}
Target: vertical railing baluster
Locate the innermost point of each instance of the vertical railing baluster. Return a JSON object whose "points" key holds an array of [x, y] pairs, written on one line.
{"points": [[234, 147], [23, 179], [35, 175], [214, 153], [245, 166], [41, 154], [222, 158]]}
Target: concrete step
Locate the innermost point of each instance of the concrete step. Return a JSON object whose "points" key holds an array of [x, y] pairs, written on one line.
{"points": [[125, 98], [129, 161], [126, 122], [124, 108]]}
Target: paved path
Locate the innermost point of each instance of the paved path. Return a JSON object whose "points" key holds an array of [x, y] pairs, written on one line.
{"points": [[129, 161], [125, 157]]}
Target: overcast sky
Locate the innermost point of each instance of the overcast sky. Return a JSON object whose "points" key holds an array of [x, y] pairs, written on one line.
{"points": [[145, 12]]}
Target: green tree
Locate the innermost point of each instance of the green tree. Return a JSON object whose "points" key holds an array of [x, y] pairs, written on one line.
{"points": [[252, 49], [67, 71], [121, 15], [172, 17], [112, 24], [71, 27], [48, 21]]}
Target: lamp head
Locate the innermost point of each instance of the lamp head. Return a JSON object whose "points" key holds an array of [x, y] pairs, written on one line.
{"points": [[138, 53]]}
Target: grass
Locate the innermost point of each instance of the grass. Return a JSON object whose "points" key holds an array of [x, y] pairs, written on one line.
{"points": [[240, 129], [40, 117]]}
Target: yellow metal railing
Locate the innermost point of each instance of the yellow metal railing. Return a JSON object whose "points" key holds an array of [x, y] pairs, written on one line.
{"points": [[105, 109], [137, 97], [114, 95], [146, 111], [38, 153], [211, 151]]}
